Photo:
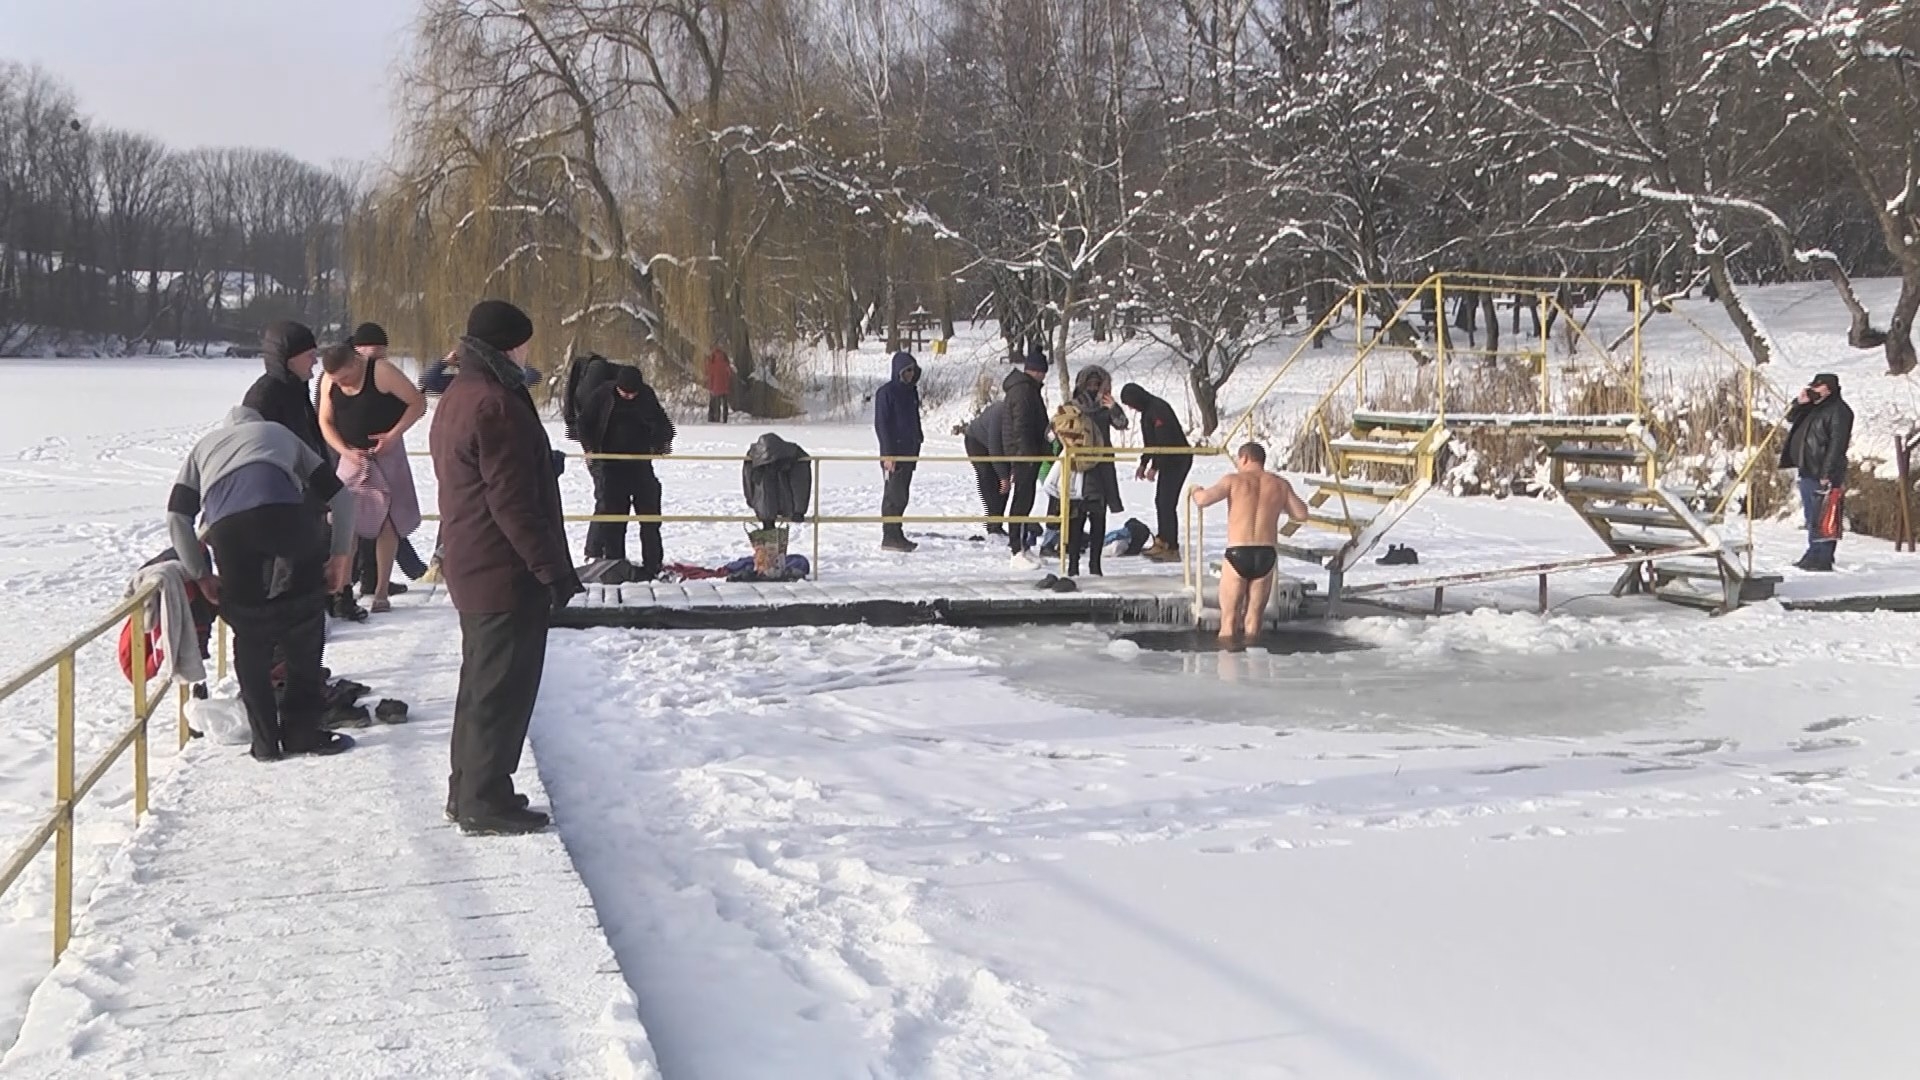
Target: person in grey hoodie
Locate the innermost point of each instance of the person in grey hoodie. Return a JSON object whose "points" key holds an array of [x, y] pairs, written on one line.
{"points": [[259, 489]]}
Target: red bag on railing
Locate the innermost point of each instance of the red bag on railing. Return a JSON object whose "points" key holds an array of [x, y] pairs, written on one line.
{"points": [[1833, 515], [154, 655]]}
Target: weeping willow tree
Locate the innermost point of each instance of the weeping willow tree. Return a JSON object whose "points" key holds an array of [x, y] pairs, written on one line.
{"points": [[425, 253], [644, 177]]}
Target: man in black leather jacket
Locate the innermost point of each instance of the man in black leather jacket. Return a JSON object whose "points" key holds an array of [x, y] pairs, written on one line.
{"points": [[1821, 428]]}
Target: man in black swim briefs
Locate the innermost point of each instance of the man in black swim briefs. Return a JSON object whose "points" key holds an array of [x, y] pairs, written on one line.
{"points": [[1255, 500]]}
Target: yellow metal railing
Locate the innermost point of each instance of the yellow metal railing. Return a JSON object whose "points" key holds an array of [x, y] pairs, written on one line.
{"points": [[815, 521], [71, 789]]}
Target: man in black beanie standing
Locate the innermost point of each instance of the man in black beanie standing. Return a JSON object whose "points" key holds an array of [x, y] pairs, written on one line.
{"points": [[283, 396], [503, 555]]}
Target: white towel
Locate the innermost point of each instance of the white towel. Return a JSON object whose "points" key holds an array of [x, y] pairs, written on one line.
{"points": [[1051, 485], [179, 642]]}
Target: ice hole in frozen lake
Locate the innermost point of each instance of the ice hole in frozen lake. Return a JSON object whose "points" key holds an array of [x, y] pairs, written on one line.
{"points": [[1324, 677]]}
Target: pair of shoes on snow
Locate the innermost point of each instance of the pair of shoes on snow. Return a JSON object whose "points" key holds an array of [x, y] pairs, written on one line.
{"points": [[1023, 561], [319, 744], [900, 544], [1399, 555], [1814, 566], [1058, 584], [396, 588], [342, 714], [1161, 551], [346, 692]]}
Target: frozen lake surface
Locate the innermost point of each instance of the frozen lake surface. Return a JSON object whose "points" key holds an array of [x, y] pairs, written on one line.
{"points": [[1620, 840]]}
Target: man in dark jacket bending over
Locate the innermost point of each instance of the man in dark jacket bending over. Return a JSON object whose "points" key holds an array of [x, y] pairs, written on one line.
{"points": [[503, 553], [1160, 426], [261, 492], [1822, 427], [896, 420], [624, 417]]}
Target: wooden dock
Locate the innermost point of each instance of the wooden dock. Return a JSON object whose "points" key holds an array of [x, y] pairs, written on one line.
{"points": [[1145, 598]]}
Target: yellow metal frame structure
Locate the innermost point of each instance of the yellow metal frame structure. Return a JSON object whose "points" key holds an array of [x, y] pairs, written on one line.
{"points": [[1395, 334], [71, 789]]}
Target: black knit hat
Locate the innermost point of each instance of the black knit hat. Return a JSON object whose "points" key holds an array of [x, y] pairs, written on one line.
{"points": [[629, 379], [499, 324], [1036, 362], [369, 334], [1831, 382], [282, 341]]}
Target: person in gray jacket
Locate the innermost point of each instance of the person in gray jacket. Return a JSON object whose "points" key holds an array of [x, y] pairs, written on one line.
{"points": [[264, 495], [982, 437]]}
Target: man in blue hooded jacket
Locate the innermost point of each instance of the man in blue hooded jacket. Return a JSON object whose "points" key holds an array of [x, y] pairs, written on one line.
{"points": [[896, 420]]}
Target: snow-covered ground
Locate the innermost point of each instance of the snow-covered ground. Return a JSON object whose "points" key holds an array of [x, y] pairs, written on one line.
{"points": [[937, 852]]}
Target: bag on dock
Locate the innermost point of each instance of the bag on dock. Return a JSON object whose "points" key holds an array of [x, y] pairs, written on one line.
{"points": [[769, 549]]}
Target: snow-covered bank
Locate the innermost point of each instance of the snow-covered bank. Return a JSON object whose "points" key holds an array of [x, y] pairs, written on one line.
{"points": [[317, 918], [1640, 847]]}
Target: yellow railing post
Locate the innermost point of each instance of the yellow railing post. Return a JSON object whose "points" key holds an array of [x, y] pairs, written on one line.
{"points": [[1638, 300], [1065, 465], [63, 794], [220, 661], [1546, 400], [139, 672], [1440, 346], [1360, 335], [185, 733]]}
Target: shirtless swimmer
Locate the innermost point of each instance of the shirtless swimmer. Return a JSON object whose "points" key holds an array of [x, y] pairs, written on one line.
{"points": [[1255, 500]]}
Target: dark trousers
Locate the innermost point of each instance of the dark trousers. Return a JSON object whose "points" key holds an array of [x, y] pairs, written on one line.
{"points": [[1026, 476], [502, 657], [1167, 492], [893, 502], [1086, 534], [625, 487], [272, 564], [992, 499], [719, 409], [1811, 503]]}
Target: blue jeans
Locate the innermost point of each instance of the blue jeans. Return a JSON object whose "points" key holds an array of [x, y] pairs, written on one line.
{"points": [[1811, 500]]}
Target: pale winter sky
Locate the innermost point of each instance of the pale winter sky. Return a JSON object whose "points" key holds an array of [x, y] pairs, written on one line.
{"points": [[311, 77]]}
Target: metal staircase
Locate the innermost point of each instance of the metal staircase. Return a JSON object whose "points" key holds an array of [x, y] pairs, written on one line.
{"points": [[1605, 467], [1609, 474], [1381, 469]]}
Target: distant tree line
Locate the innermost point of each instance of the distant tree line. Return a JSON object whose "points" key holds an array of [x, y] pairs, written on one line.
{"points": [[112, 237]]}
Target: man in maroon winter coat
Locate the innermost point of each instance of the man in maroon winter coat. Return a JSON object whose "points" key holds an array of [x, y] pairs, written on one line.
{"points": [[503, 555]]}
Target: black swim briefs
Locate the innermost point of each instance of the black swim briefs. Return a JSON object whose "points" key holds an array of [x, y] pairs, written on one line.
{"points": [[1253, 561]]}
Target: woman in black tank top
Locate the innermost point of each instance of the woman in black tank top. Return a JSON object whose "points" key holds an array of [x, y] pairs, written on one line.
{"points": [[366, 407]]}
